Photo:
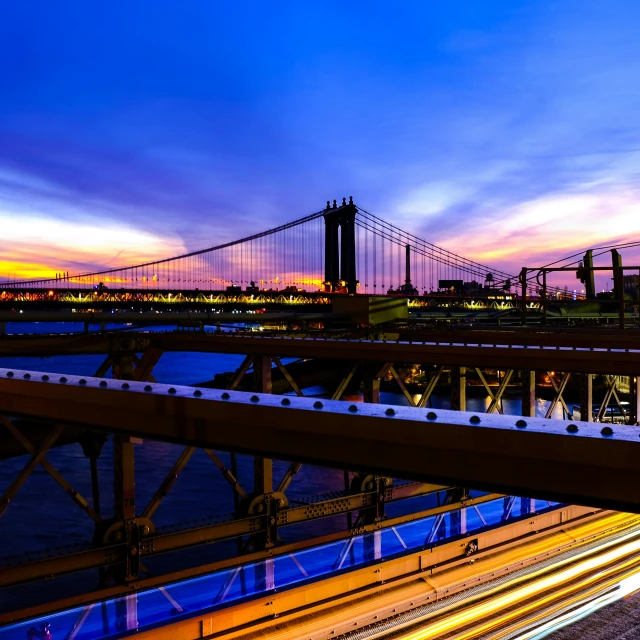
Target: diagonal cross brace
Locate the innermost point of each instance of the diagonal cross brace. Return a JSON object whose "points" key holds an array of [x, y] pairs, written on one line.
{"points": [[288, 477], [612, 381], [337, 394], [168, 482], [227, 475], [433, 381], [402, 386], [559, 389], [145, 365], [288, 376], [239, 374], [21, 478], [495, 402], [485, 384], [48, 467]]}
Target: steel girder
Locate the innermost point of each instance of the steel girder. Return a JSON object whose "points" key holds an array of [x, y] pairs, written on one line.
{"points": [[154, 544], [603, 359], [534, 457]]}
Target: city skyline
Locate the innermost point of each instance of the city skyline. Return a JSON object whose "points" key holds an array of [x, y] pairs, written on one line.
{"points": [[506, 132]]}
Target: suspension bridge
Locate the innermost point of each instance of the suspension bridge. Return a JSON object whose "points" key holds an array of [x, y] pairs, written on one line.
{"points": [[340, 249]]}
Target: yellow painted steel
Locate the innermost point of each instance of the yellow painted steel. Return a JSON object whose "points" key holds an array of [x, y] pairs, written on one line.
{"points": [[362, 597]]}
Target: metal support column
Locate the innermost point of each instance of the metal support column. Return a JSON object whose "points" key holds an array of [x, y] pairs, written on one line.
{"points": [[373, 541], [458, 518], [529, 393], [523, 297], [618, 284], [634, 399], [92, 448], [544, 297], [263, 487], [459, 388], [125, 513], [586, 397], [262, 467], [127, 613], [588, 273], [527, 505], [371, 384], [123, 478]]}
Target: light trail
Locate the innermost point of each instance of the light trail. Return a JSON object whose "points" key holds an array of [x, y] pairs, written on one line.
{"points": [[526, 593], [624, 588]]}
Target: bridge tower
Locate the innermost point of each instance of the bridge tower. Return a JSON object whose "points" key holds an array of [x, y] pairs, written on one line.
{"points": [[340, 246]]}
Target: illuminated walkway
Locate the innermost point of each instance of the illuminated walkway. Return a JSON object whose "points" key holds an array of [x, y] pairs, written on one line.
{"points": [[158, 607]]}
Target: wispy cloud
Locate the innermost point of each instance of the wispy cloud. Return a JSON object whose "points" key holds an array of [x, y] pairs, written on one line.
{"points": [[506, 131]]}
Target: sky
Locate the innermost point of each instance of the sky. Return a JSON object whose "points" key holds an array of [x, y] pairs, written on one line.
{"points": [[505, 130]]}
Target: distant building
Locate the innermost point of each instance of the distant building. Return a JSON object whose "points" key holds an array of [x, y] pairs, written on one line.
{"points": [[630, 284]]}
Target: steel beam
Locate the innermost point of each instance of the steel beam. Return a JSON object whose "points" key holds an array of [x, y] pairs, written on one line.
{"points": [[537, 457], [600, 358]]}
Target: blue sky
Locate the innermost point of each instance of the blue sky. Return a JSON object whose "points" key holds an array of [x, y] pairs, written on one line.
{"points": [[506, 130]]}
